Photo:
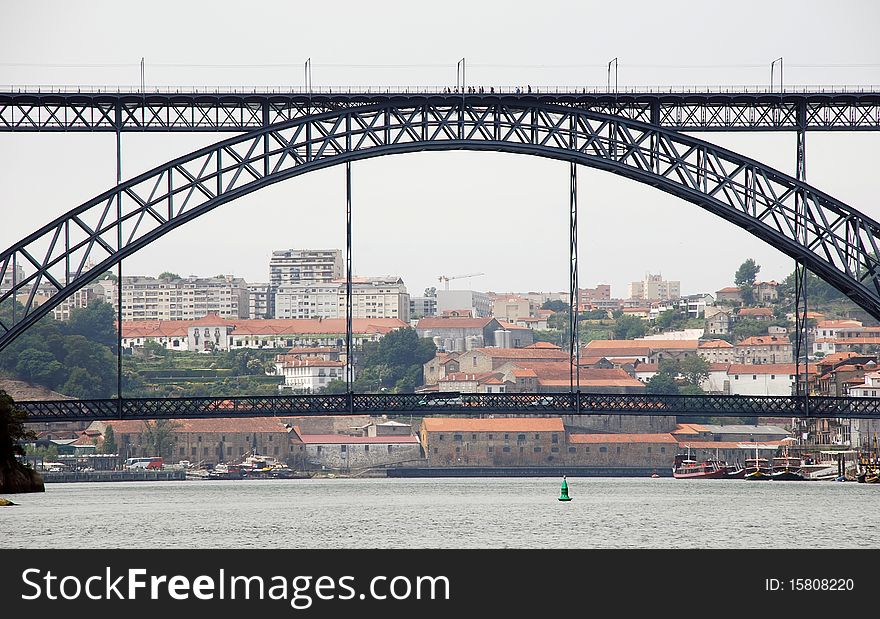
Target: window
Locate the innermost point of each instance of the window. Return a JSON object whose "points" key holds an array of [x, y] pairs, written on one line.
{"points": [[537, 450], [491, 449], [754, 377], [537, 437], [490, 437], [618, 449], [520, 437], [554, 438], [473, 437], [195, 451], [366, 448], [506, 436], [456, 437], [458, 450], [554, 449], [440, 437], [663, 450], [572, 450], [505, 449], [343, 448], [773, 377], [603, 449]]}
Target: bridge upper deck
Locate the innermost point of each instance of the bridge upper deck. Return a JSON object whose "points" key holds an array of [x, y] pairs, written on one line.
{"points": [[181, 110]]}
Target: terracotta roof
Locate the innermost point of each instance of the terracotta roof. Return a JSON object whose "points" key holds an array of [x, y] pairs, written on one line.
{"points": [[433, 322], [522, 353], [154, 328], [620, 438], [715, 344], [478, 377], [314, 349], [843, 341], [831, 324], [689, 428], [505, 424], [512, 327], [545, 345], [218, 424], [755, 311], [555, 374], [836, 357], [764, 340], [729, 289], [648, 367], [524, 373]]}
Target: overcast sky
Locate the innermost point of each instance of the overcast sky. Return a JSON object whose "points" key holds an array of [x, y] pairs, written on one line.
{"points": [[430, 214]]}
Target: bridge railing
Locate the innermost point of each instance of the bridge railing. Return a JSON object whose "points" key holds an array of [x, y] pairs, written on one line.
{"points": [[453, 403], [442, 89]]}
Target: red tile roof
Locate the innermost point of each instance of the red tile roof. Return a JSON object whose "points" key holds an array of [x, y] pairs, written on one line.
{"points": [[715, 344], [522, 353], [765, 340], [596, 346], [755, 311], [832, 324], [684, 444], [504, 424], [728, 289], [545, 345], [689, 428]]}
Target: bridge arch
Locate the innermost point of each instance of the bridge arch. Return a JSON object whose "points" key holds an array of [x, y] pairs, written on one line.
{"points": [[834, 240]]}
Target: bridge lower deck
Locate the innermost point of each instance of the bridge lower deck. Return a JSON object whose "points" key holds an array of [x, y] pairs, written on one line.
{"points": [[476, 404]]}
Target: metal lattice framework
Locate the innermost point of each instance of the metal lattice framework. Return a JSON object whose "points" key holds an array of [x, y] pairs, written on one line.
{"points": [[540, 404], [82, 110], [838, 243]]}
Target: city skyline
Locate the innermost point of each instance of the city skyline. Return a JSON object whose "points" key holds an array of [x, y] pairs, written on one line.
{"points": [[441, 213]]}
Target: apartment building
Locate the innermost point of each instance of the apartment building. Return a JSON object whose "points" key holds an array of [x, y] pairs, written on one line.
{"points": [[372, 297], [297, 266], [150, 298]]}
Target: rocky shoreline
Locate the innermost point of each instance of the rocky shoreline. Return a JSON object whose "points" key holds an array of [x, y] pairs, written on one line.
{"points": [[17, 478]]}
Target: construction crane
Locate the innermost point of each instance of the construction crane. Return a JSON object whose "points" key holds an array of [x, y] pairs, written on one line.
{"points": [[446, 278]]}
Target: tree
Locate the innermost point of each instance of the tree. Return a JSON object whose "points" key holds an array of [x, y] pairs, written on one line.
{"points": [[159, 437], [12, 430], [109, 446], [555, 305], [431, 292], [694, 369], [95, 322], [395, 362], [661, 383], [749, 327], [629, 328], [39, 367], [745, 279], [168, 275], [746, 273]]}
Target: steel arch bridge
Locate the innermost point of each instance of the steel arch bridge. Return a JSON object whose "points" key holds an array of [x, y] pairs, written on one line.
{"points": [[834, 240]]}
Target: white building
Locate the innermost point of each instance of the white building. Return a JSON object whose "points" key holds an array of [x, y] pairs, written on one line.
{"points": [[654, 288], [762, 378], [863, 431], [479, 303], [309, 375], [149, 298], [372, 297], [298, 266]]}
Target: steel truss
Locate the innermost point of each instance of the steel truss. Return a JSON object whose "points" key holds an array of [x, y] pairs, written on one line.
{"points": [[838, 243], [519, 404], [230, 111]]}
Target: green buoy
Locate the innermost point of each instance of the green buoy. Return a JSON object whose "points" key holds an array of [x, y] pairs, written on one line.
{"points": [[563, 496]]}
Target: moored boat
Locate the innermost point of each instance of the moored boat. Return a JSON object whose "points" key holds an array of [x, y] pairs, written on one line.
{"points": [[786, 468], [685, 468]]}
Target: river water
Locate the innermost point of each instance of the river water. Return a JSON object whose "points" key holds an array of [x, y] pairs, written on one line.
{"points": [[445, 513]]}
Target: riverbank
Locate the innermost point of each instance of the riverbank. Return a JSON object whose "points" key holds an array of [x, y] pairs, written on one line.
{"points": [[104, 476]]}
